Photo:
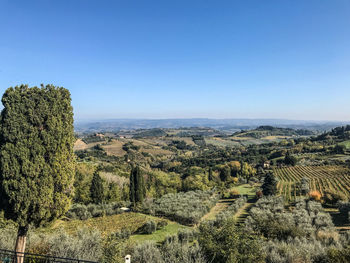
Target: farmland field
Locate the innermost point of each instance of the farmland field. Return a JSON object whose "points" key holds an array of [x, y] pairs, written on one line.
{"points": [[322, 178]]}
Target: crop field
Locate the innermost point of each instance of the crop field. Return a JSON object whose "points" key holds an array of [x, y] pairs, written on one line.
{"points": [[322, 178]]}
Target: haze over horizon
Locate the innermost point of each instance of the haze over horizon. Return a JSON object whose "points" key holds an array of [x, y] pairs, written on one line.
{"points": [[183, 59]]}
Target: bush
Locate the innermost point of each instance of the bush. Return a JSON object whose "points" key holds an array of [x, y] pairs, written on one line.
{"points": [[148, 228], [171, 251], [161, 224], [315, 195], [8, 236], [332, 197]]}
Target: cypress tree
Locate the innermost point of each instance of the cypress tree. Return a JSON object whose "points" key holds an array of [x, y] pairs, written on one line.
{"points": [[137, 186], [96, 189], [210, 174], [37, 163], [132, 186]]}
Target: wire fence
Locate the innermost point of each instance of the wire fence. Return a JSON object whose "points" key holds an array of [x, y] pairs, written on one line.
{"points": [[8, 256]]}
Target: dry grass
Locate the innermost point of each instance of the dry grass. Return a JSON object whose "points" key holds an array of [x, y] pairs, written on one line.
{"points": [[80, 145], [115, 147]]}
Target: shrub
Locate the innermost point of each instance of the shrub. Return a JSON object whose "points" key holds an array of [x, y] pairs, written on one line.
{"points": [[161, 224], [8, 236], [147, 252], [315, 195], [332, 197], [148, 228]]}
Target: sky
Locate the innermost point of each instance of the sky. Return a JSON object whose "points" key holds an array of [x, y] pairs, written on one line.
{"points": [[286, 59]]}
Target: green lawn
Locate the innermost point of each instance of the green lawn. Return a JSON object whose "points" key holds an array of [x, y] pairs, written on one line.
{"points": [[245, 189]]}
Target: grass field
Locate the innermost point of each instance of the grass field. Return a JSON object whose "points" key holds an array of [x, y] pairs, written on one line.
{"points": [[321, 178], [115, 147], [245, 189]]}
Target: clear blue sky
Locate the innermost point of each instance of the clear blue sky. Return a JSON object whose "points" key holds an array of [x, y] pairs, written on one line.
{"points": [[183, 58]]}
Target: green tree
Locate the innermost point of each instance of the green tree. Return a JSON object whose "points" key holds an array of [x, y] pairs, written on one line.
{"points": [[96, 189], [225, 173], [290, 159], [210, 174], [37, 163], [229, 244], [269, 186], [137, 190]]}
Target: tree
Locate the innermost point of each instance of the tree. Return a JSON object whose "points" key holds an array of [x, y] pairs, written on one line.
{"points": [[210, 174], [235, 167], [225, 173], [290, 159], [96, 189], [137, 186], [269, 186], [37, 163], [229, 244], [247, 171]]}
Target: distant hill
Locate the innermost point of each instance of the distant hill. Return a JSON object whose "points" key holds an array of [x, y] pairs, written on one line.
{"points": [[264, 131], [226, 125]]}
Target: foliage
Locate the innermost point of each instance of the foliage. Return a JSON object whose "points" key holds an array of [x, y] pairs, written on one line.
{"points": [[184, 207], [137, 186], [228, 213], [83, 212], [332, 197], [270, 219], [148, 228], [315, 195], [114, 247], [36, 150], [171, 251], [96, 189], [85, 244], [228, 244], [270, 185]]}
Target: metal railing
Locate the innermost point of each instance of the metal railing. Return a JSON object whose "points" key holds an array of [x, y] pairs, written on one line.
{"points": [[9, 256]]}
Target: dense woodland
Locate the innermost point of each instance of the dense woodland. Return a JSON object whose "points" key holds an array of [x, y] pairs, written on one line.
{"points": [[170, 195]]}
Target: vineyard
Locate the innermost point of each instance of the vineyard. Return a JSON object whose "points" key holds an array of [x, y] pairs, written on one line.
{"points": [[321, 178]]}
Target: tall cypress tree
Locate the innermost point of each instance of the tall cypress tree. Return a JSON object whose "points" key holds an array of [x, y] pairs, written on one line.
{"points": [[96, 189], [132, 186], [210, 174], [137, 186], [37, 163]]}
